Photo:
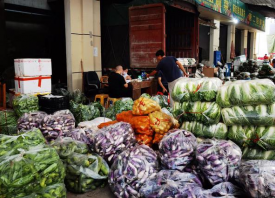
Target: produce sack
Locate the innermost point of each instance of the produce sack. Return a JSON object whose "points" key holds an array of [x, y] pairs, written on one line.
{"points": [[85, 172], [249, 115], [205, 112], [258, 154], [144, 139], [9, 145], [131, 170], [218, 131], [174, 120], [92, 125], [125, 116], [110, 141], [160, 122], [31, 120], [83, 112], [258, 178], [243, 92], [57, 124], [242, 135], [53, 191], [196, 89], [177, 149], [162, 100], [8, 122], [265, 137], [144, 106], [82, 135], [30, 171], [222, 190], [219, 160], [170, 183], [25, 104], [105, 124], [66, 146]]}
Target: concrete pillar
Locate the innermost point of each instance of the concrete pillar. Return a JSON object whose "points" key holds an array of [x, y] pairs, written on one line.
{"points": [[230, 38], [244, 36], [252, 45], [214, 41], [83, 40]]}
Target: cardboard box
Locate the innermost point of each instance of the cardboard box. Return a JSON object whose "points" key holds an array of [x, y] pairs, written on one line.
{"points": [[33, 67], [209, 71], [32, 85]]}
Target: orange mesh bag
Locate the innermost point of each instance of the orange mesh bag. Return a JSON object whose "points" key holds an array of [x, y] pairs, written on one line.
{"points": [[124, 116], [160, 122], [157, 138], [141, 124], [144, 139], [144, 106], [105, 124]]}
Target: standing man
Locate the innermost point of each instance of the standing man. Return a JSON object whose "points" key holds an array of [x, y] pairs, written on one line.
{"points": [[171, 69]]}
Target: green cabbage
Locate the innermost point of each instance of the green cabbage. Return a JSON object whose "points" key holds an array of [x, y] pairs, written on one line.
{"points": [[218, 131], [242, 135], [258, 154], [265, 137]]}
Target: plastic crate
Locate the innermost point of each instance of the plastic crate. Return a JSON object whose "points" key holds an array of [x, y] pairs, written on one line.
{"points": [[50, 103]]}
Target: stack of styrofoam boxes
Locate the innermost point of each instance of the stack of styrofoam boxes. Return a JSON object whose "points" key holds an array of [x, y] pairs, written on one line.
{"points": [[33, 76]]}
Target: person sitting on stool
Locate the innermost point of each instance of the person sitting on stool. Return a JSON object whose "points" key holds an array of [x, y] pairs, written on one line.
{"points": [[118, 87]]}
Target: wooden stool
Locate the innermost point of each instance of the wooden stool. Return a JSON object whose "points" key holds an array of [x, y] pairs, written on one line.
{"points": [[102, 98], [112, 101]]}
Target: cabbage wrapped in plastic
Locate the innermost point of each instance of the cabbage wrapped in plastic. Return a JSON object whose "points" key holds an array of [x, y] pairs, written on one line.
{"points": [[57, 124], [110, 141], [31, 120], [258, 178], [222, 190], [218, 131], [242, 135], [258, 154], [219, 160], [131, 170], [243, 92], [249, 115], [265, 137], [177, 149], [170, 183]]}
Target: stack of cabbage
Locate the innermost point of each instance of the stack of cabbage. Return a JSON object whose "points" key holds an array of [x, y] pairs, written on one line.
{"points": [[195, 103], [28, 167], [249, 111]]}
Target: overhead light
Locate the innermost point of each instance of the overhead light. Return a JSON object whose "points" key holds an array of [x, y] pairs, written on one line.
{"points": [[235, 20]]}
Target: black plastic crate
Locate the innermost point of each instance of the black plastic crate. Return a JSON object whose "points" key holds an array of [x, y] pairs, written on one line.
{"points": [[52, 104]]}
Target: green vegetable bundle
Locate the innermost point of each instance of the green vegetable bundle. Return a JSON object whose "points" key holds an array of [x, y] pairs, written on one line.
{"points": [[197, 89], [78, 97], [242, 135], [85, 172], [162, 100], [258, 154], [25, 104], [218, 131], [66, 146], [242, 92], [126, 104], [249, 115], [9, 145], [8, 122], [205, 112], [30, 171], [265, 137], [83, 112], [53, 191], [266, 70]]}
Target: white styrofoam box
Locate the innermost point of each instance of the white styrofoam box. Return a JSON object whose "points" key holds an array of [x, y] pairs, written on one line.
{"points": [[33, 67], [29, 85]]}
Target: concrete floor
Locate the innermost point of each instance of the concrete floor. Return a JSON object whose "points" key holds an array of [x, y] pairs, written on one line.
{"points": [[98, 193]]}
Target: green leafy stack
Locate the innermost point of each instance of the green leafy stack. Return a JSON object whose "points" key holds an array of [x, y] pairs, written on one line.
{"points": [[8, 122], [84, 171], [125, 104], [25, 104]]}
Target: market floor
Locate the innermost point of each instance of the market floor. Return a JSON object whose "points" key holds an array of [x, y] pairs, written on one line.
{"points": [[98, 193]]}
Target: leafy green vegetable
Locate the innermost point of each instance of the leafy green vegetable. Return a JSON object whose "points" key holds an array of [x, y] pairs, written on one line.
{"points": [[161, 100], [8, 122], [258, 154], [242, 135], [145, 95], [126, 104], [78, 97], [25, 104], [56, 191], [249, 115], [242, 92], [265, 137], [218, 131]]}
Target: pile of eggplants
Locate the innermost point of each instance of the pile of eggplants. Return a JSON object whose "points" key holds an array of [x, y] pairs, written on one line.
{"points": [[57, 124], [177, 149], [258, 178], [170, 183], [131, 170], [110, 141], [83, 135], [30, 120], [219, 160]]}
